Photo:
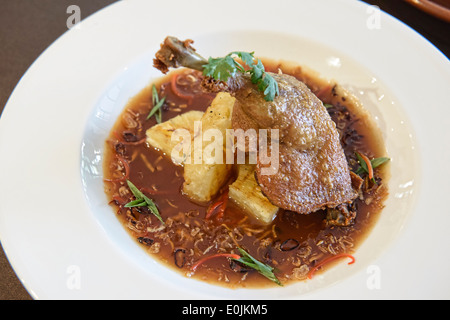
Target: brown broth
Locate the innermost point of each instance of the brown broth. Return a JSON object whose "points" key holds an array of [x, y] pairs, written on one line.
{"points": [[292, 243]]}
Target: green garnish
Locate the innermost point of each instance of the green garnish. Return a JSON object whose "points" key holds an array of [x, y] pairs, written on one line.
{"points": [[157, 104], [379, 161], [374, 162], [223, 68], [142, 201], [263, 269]]}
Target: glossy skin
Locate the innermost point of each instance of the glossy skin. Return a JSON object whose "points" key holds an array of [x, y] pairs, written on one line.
{"points": [[313, 172]]}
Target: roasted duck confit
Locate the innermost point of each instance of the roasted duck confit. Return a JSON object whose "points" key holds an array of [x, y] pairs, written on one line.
{"points": [[313, 173]]}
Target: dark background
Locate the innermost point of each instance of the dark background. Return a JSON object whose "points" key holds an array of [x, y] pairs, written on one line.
{"points": [[28, 27]]}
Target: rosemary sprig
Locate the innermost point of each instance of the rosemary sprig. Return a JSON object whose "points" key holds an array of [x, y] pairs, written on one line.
{"points": [[263, 269], [142, 201]]}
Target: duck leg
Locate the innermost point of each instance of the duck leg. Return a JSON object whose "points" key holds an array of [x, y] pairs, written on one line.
{"points": [[312, 172]]}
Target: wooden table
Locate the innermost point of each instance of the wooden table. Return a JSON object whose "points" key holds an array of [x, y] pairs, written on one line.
{"points": [[27, 28]]}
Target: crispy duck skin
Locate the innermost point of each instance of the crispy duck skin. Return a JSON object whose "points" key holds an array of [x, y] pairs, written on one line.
{"points": [[313, 173]]}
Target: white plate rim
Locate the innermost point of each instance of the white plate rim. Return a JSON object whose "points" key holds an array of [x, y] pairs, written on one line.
{"points": [[19, 259]]}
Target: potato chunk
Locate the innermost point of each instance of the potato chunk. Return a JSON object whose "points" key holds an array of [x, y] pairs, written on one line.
{"points": [[203, 180], [160, 136], [246, 193]]}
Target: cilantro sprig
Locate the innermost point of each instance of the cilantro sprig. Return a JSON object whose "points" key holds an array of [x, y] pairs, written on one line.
{"points": [[223, 68], [142, 201], [263, 269]]}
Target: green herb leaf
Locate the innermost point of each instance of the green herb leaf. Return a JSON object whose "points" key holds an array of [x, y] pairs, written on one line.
{"points": [[257, 71], [136, 203], [156, 108], [222, 69], [134, 190], [142, 201], [270, 87], [155, 96], [375, 163], [157, 104], [263, 269], [246, 57], [379, 161], [362, 165]]}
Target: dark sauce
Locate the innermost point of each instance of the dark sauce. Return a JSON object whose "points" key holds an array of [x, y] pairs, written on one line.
{"points": [[293, 244]]}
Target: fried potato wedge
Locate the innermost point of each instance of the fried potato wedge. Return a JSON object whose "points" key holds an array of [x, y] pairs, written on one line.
{"points": [[160, 136], [246, 193], [203, 178]]}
